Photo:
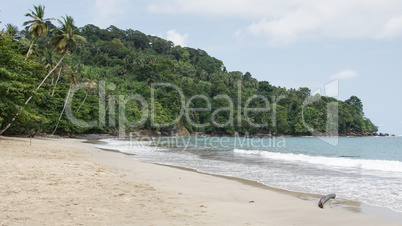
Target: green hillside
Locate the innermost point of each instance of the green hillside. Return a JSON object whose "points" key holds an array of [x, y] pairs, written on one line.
{"points": [[117, 69]]}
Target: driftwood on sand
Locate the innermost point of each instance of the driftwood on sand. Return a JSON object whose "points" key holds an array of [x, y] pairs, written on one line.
{"points": [[324, 199]]}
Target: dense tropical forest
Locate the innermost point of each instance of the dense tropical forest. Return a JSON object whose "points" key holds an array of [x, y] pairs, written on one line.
{"points": [[41, 64]]}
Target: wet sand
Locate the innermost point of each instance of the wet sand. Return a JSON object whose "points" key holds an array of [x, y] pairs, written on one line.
{"points": [[66, 181]]}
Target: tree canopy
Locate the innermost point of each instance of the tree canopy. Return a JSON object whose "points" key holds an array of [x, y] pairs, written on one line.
{"points": [[123, 63]]}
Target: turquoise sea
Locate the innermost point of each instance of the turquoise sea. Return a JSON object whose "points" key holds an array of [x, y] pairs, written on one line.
{"points": [[363, 169]]}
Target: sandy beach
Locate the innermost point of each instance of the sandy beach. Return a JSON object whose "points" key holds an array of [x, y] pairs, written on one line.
{"points": [[67, 181]]}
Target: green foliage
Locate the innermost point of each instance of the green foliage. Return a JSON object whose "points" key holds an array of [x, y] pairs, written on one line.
{"points": [[356, 103], [12, 30], [18, 80], [129, 62], [282, 123], [65, 37], [37, 25]]}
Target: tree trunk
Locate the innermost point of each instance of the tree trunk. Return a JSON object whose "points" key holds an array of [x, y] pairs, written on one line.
{"points": [[55, 84], [9, 124], [29, 50], [86, 95], [51, 82], [64, 107], [26, 102], [62, 58]]}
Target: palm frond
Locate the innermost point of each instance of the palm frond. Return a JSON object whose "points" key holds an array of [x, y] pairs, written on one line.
{"points": [[65, 37], [37, 26]]}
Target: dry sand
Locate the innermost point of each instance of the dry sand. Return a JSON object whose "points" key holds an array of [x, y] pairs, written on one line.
{"points": [[65, 181]]}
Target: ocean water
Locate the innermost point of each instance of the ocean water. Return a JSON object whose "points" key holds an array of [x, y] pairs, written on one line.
{"points": [[363, 169]]}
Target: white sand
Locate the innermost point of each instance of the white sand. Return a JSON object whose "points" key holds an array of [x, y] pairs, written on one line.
{"points": [[66, 181]]}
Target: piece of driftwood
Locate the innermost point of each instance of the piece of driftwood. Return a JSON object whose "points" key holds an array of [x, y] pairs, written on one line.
{"points": [[324, 199]]}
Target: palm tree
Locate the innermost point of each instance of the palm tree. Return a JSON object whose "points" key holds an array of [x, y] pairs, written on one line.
{"points": [[49, 60], [37, 25], [72, 79], [13, 31], [58, 77], [65, 39]]}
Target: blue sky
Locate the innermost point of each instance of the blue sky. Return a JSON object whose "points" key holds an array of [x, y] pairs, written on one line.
{"points": [[289, 43]]}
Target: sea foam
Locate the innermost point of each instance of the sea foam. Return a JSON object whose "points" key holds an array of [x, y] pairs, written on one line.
{"points": [[367, 164]]}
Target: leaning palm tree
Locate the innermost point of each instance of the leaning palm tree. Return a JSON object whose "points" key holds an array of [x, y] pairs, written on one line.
{"points": [[37, 25], [62, 67], [72, 79], [65, 39], [48, 58]]}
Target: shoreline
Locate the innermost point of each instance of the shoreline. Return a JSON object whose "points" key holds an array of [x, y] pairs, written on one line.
{"points": [[342, 204], [150, 135], [169, 195]]}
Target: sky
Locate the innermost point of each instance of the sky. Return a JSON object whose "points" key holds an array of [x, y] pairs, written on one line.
{"points": [[292, 44]]}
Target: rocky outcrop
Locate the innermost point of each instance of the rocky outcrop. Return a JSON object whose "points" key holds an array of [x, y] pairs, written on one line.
{"points": [[182, 132]]}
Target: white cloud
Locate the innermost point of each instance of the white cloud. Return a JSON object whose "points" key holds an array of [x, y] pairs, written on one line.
{"points": [[283, 22], [177, 38], [345, 74], [286, 29], [393, 28], [108, 11], [205, 7]]}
